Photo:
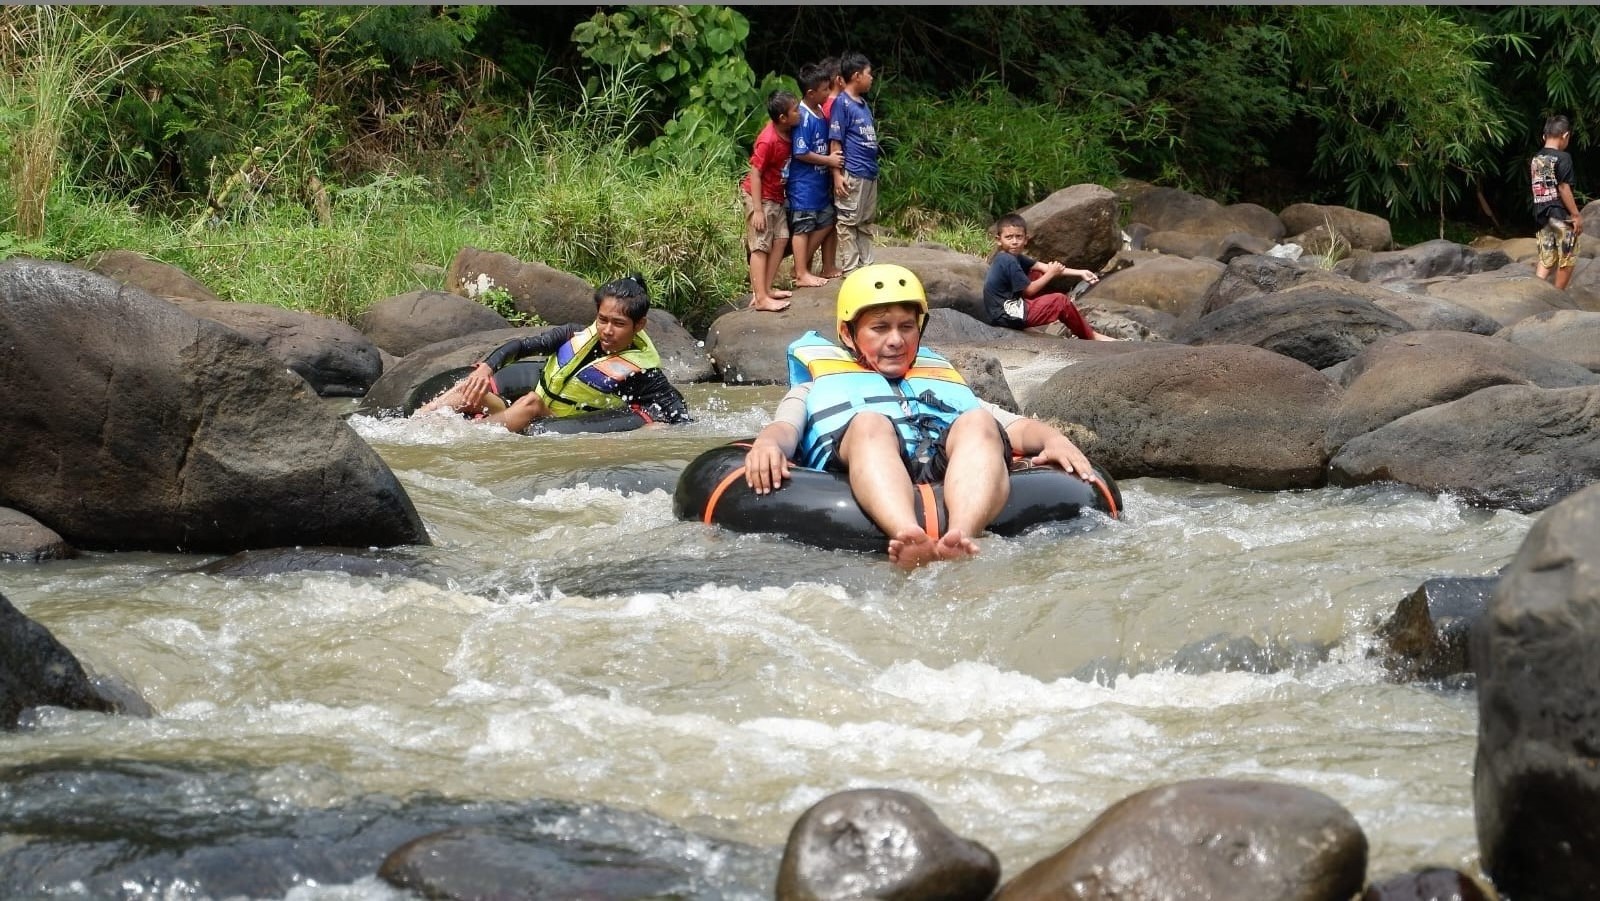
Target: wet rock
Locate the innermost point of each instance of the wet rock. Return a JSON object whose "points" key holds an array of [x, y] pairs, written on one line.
{"points": [[1169, 284], [262, 562], [1431, 884], [1207, 838], [554, 296], [24, 539], [985, 376], [1319, 329], [37, 670], [1570, 335], [1241, 416], [399, 325], [1076, 225], [158, 278], [335, 359], [1410, 372], [1426, 260], [881, 843], [1537, 656], [179, 435], [506, 864], [1362, 231], [1505, 446], [1427, 636]]}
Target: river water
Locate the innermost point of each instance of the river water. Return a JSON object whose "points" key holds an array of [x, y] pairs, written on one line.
{"points": [[572, 640]]}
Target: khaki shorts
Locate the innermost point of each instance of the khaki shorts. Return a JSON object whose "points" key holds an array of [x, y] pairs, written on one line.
{"points": [[777, 220], [1557, 242]]}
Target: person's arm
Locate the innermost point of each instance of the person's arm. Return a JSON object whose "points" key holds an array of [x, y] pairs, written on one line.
{"points": [[1046, 444], [478, 381], [767, 463], [1565, 190], [752, 198], [650, 390]]}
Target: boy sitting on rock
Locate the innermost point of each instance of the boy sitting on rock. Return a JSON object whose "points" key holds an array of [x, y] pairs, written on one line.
{"points": [[1011, 290]]}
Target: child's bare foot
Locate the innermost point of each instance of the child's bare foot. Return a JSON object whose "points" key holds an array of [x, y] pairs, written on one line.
{"points": [[835, 272], [768, 304], [912, 548], [809, 281], [953, 545], [1100, 337], [780, 294]]}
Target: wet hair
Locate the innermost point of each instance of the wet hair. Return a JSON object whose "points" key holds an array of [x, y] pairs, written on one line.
{"points": [[853, 62], [779, 103], [1010, 220], [1556, 126], [628, 291], [813, 76]]}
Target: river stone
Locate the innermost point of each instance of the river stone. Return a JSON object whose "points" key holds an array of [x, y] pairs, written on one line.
{"points": [[174, 433], [1319, 329], [278, 561], [1419, 311], [1426, 637], [1207, 839], [1571, 335], [158, 278], [985, 376], [399, 325], [1505, 298], [1537, 653], [1506, 446], [1405, 373], [1169, 284], [1426, 260], [1238, 415], [556, 297], [1362, 231], [513, 865], [1130, 322], [881, 843], [1430, 884], [37, 670], [1250, 275], [1075, 225], [1176, 210], [24, 539], [334, 358]]}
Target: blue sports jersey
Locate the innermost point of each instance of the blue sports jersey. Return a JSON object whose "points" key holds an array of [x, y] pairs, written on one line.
{"points": [[853, 127], [810, 188]]}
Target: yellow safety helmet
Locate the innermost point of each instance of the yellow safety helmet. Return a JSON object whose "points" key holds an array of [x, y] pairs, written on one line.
{"points": [[877, 285]]}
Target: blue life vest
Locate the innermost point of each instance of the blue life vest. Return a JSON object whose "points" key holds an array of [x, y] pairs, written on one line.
{"points": [[922, 404]]}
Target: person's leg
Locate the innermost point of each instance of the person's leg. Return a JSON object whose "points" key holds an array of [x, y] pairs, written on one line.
{"points": [[870, 451], [1056, 307], [866, 215], [830, 252], [802, 238], [522, 412], [1547, 242], [1566, 253], [976, 481], [848, 208], [777, 242]]}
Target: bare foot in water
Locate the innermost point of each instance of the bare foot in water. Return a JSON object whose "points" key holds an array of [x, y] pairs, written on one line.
{"points": [[955, 546], [810, 281], [768, 304], [911, 549]]}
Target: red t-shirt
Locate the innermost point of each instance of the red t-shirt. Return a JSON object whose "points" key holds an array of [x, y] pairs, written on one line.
{"points": [[771, 159]]}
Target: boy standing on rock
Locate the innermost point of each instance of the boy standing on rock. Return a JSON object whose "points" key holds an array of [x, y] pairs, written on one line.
{"points": [[853, 132], [1554, 209]]}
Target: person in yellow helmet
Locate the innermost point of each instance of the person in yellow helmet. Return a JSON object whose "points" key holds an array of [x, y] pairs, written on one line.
{"points": [[891, 413]]}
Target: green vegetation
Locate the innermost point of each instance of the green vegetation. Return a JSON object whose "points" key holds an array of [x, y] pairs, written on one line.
{"points": [[323, 158]]}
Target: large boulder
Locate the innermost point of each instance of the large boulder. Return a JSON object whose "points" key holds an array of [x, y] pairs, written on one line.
{"points": [[881, 843], [1537, 655], [1238, 415], [1426, 260], [1320, 328], [168, 432], [37, 670], [405, 322], [1076, 225], [1504, 297], [1207, 838], [1206, 247], [1362, 231], [1571, 335], [556, 297], [1167, 283], [1254, 274], [1176, 210], [1506, 446], [26, 540], [1417, 310], [333, 358], [1417, 370], [158, 278]]}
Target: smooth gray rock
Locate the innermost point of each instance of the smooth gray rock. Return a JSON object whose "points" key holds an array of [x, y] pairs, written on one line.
{"points": [[24, 539], [399, 325], [37, 670], [1319, 329]]}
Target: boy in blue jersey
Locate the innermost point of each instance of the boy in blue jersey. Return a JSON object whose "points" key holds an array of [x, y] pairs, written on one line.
{"points": [[888, 413], [811, 212], [852, 131]]}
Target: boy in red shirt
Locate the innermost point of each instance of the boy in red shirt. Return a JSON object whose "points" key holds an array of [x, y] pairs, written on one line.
{"points": [[766, 221]]}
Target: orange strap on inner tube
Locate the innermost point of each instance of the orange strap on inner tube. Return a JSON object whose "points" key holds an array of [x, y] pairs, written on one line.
{"points": [[1105, 491], [716, 494], [930, 510]]}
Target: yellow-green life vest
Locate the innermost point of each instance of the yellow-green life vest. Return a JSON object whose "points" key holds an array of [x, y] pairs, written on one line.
{"points": [[570, 386]]}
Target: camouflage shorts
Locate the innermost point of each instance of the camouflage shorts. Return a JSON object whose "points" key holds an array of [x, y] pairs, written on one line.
{"points": [[1557, 242]]}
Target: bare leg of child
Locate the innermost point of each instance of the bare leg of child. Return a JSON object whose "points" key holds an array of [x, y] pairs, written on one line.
{"points": [[803, 245], [761, 296], [830, 253]]}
